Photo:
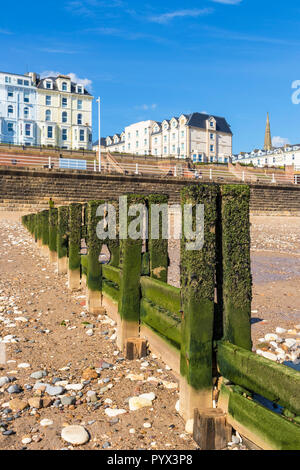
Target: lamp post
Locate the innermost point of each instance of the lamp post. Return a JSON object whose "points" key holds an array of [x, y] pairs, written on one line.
{"points": [[99, 131]]}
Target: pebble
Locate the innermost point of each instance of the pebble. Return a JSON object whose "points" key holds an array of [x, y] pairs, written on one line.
{"points": [[14, 389], [75, 434], [46, 422], [136, 403], [18, 405], [74, 387], [24, 365], [38, 375], [54, 390], [26, 440], [67, 401], [35, 402], [113, 412], [271, 337], [290, 342], [269, 355], [4, 381]]}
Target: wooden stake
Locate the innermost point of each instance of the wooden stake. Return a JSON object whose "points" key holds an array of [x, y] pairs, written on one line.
{"points": [[135, 348], [211, 430]]}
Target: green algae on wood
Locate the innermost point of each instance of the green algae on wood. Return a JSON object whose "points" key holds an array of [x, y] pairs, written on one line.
{"points": [[74, 236], [197, 272], [62, 231], [53, 219], [94, 267], [237, 279], [158, 248], [45, 226], [276, 382], [130, 264]]}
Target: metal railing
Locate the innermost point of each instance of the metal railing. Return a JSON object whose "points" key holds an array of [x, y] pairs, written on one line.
{"points": [[144, 169]]}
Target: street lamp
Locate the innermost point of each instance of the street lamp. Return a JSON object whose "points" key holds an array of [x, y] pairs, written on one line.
{"points": [[99, 131]]}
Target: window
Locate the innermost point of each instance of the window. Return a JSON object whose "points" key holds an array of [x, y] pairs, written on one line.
{"points": [[182, 146], [211, 136], [146, 130], [79, 104], [211, 123], [165, 149], [128, 146], [10, 109], [10, 94], [26, 82], [10, 127], [79, 121], [173, 148], [182, 133], [64, 116], [50, 132], [165, 138], [7, 79], [26, 113], [166, 126], [48, 115], [19, 81], [26, 97], [64, 86], [27, 130], [128, 135], [48, 100], [145, 142], [79, 89], [49, 85], [64, 102], [136, 144], [155, 151], [137, 133], [174, 136], [81, 135], [64, 134], [211, 148], [155, 140]]}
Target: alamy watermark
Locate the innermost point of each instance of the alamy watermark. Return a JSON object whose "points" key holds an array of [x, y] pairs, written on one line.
{"points": [[296, 94], [165, 222]]}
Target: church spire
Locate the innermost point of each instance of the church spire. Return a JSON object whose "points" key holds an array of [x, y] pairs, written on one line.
{"points": [[268, 139]]}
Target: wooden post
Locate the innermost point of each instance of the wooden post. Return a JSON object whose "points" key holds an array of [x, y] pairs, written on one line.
{"points": [[94, 267], [197, 302], [131, 266], [236, 265], [62, 239], [74, 246], [211, 430], [135, 348]]}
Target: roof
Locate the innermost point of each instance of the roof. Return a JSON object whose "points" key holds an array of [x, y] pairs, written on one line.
{"points": [[40, 84], [199, 120], [103, 142]]}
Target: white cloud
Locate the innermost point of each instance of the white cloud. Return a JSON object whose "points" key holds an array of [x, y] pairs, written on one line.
{"points": [[5, 31], [228, 2], [86, 82], [278, 141], [147, 107], [166, 17]]}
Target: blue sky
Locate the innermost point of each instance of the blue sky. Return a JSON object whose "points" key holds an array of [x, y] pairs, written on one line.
{"points": [[153, 60]]}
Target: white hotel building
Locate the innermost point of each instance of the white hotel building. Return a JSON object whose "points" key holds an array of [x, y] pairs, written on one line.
{"points": [[277, 157], [52, 111], [199, 136]]}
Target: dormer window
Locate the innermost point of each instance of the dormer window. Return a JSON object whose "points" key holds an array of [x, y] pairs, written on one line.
{"points": [[79, 89], [64, 86], [211, 123], [48, 84]]}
